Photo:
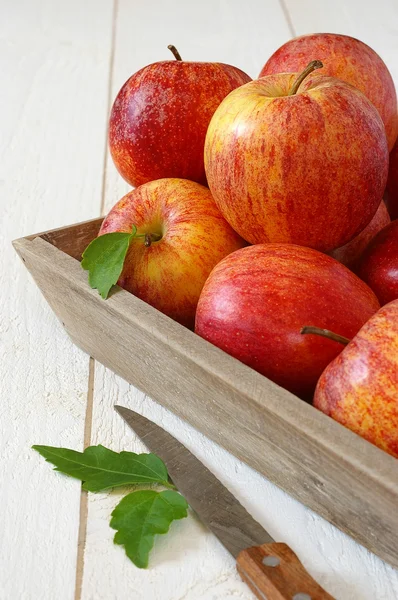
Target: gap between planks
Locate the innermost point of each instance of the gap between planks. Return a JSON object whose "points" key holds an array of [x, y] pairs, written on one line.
{"points": [[288, 17], [108, 108], [83, 509]]}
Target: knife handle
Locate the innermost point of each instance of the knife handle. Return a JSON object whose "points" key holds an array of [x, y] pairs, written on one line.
{"points": [[273, 572]]}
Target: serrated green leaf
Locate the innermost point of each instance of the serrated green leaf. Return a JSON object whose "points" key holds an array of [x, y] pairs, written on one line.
{"points": [[104, 259], [140, 516], [100, 468]]}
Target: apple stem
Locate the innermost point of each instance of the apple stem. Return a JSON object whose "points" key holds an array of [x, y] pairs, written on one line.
{"points": [[174, 50], [314, 64], [325, 333], [151, 237]]}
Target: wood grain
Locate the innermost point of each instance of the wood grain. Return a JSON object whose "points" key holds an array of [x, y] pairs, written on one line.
{"points": [[72, 240], [83, 509], [348, 481], [55, 60], [54, 66], [273, 572]]}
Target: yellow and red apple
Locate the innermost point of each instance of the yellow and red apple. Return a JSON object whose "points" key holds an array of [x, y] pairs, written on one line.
{"points": [[186, 236], [304, 164], [360, 387], [348, 59]]}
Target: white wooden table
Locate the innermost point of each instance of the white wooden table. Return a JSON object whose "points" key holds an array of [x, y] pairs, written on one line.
{"points": [[61, 64]]}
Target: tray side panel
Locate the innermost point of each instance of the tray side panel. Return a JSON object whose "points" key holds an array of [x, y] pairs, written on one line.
{"points": [[337, 474], [73, 239]]}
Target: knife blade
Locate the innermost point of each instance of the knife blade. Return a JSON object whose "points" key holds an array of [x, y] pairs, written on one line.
{"points": [[271, 569]]}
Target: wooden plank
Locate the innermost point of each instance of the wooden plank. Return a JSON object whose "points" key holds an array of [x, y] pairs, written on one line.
{"points": [[54, 60], [189, 562], [74, 239], [351, 483], [205, 31], [192, 564], [375, 23]]}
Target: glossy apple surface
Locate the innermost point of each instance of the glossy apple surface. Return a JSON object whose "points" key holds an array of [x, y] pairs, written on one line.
{"points": [[392, 184], [379, 264], [256, 301], [360, 387], [308, 168], [159, 119], [351, 253], [348, 59], [194, 237]]}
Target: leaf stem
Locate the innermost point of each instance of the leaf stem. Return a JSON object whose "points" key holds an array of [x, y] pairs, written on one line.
{"points": [[169, 485]]}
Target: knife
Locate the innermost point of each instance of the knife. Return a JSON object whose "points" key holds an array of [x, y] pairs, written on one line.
{"points": [[270, 569]]}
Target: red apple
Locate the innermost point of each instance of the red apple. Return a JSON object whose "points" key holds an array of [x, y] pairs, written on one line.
{"points": [[189, 237], [256, 301], [159, 119], [379, 264], [392, 184], [350, 254], [304, 164], [360, 387], [348, 59]]}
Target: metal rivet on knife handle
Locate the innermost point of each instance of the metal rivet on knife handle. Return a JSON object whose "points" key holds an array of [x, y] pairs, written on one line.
{"points": [[273, 572], [272, 561]]}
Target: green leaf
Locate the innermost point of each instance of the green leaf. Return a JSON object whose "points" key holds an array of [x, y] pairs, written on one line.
{"points": [[140, 516], [101, 469], [104, 259]]}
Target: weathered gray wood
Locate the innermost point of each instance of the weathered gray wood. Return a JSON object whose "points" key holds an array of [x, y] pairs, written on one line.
{"points": [[73, 239], [351, 483]]}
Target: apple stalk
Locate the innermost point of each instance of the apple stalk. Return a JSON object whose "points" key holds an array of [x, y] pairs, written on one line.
{"points": [[148, 237], [325, 333], [175, 52], [151, 237], [314, 64]]}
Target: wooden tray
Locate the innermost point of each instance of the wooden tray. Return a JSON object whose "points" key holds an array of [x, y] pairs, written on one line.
{"points": [[348, 481]]}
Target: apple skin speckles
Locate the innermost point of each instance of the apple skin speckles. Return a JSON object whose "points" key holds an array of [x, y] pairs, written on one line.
{"points": [[159, 119], [391, 194], [256, 301], [350, 253], [307, 169], [347, 59], [359, 389], [170, 273], [378, 266]]}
